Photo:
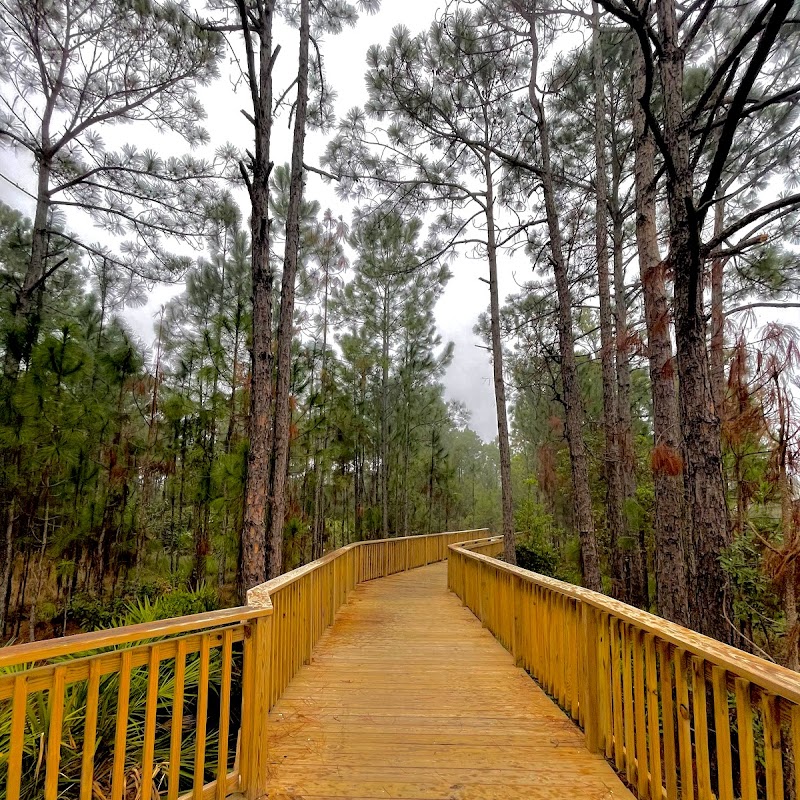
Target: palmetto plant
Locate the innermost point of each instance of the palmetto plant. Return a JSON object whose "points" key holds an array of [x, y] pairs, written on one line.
{"points": [[37, 725]]}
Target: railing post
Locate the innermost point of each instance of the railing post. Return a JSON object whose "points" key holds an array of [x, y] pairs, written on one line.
{"points": [[590, 679], [254, 763], [518, 594]]}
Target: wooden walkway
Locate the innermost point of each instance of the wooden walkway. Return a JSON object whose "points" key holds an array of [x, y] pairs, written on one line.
{"points": [[408, 696]]}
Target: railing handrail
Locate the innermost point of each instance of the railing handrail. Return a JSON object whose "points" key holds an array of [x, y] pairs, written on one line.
{"points": [[30, 652], [671, 708], [770, 676], [259, 595]]}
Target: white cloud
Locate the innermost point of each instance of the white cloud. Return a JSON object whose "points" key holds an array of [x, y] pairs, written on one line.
{"points": [[469, 377]]}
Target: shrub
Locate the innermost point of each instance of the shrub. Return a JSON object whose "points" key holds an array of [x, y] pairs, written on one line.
{"points": [[141, 604], [537, 557]]}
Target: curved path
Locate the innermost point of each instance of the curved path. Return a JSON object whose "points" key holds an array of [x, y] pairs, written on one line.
{"points": [[408, 696]]}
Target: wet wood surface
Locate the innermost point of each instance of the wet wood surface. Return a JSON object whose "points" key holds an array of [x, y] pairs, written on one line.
{"points": [[408, 696]]}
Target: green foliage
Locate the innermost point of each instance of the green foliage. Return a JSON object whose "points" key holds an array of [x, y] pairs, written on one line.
{"points": [[144, 603], [754, 600], [152, 607], [537, 557], [75, 700], [535, 550]]}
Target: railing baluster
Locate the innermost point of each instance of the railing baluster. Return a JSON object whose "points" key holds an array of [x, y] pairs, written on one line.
{"points": [[590, 678], [56, 705], [722, 724], [627, 705], [121, 736], [773, 758], [653, 730], [176, 733], [201, 721], [668, 720], [283, 616], [150, 723], [573, 654], [224, 713], [701, 728], [604, 648], [640, 720], [19, 710], [90, 730], [795, 735], [616, 697], [561, 655], [747, 745], [684, 725], [255, 709]]}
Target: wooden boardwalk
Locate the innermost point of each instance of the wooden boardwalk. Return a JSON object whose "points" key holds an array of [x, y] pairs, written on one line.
{"points": [[408, 696]]}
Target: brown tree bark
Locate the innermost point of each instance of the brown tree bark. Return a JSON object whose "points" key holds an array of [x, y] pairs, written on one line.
{"points": [[25, 324], [717, 354], [636, 568], [709, 596], [6, 563], [573, 404], [620, 585], [283, 413], [788, 531], [670, 557], [384, 424], [509, 541], [252, 562], [318, 531], [634, 552]]}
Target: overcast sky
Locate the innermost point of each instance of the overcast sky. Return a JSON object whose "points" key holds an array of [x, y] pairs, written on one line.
{"points": [[469, 377]]}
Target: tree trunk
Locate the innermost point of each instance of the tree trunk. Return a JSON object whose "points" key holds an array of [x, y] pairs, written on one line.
{"points": [[620, 584], [318, 538], [573, 404], [25, 324], [384, 427], [6, 564], [232, 402], [283, 413], [792, 655], [509, 542], [670, 537], [710, 605], [406, 457], [252, 564], [358, 499], [634, 552], [431, 468], [39, 569], [23, 585], [636, 567], [717, 354]]}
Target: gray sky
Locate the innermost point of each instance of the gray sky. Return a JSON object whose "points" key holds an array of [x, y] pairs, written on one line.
{"points": [[469, 377]]}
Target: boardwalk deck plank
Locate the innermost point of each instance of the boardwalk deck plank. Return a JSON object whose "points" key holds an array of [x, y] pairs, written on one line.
{"points": [[408, 696]]}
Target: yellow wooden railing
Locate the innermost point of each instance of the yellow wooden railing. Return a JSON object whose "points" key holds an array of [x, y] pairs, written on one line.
{"points": [[156, 709], [51, 694], [679, 714]]}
